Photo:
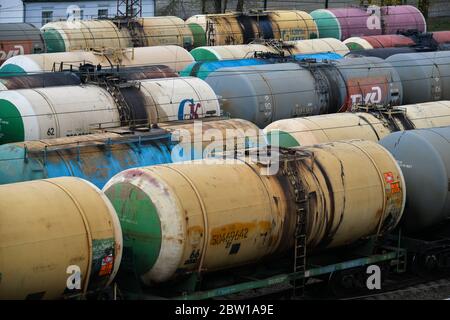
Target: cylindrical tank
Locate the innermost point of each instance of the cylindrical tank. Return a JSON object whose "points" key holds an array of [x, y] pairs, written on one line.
{"points": [[381, 41], [51, 228], [265, 93], [170, 99], [224, 29], [229, 52], [203, 69], [33, 114], [197, 24], [98, 157], [384, 53], [289, 25], [395, 19], [61, 36], [174, 57], [368, 80], [359, 125], [39, 80], [343, 23], [441, 37], [316, 46], [425, 76], [18, 39], [167, 30], [196, 225], [424, 158]]}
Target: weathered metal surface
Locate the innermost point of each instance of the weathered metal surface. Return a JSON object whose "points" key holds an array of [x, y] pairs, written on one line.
{"points": [[64, 36], [385, 53], [380, 41], [369, 81], [18, 39], [287, 278], [174, 57], [316, 46], [424, 156], [209, 220], [229, 52], [33, 114], [441, 37], [265, 93], [203, 69], [425, 76], [177, 99], [50, 225], [396, 19], [291, 25], [343, 23], [167, 30], [39, 80], [98, 157], [372, 125]]}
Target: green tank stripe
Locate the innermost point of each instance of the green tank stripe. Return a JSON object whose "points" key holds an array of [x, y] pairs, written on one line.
{"points": [[11, 123], [11, 70], [354, 46], [285, 140], [327, 24], [201, 54], [199, 34], [140, 224], [53, 41]]}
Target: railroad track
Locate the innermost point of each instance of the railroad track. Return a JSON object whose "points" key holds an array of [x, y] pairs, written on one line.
{"points": [[431, 290]]}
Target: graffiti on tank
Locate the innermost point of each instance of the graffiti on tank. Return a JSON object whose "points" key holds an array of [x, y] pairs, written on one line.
{"points": [[11, 51], [366, 91], [371, 97], [193, 109], [374, 21]]}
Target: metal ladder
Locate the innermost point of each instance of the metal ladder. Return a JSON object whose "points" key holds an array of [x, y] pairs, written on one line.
{"points": [[125, 111], [301, 201]]}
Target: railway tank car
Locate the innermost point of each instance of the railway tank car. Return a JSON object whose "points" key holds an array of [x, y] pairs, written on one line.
{"points": [[98, 157], [344, 23], [64, 36], [39, 80], [427, 175], [19, 39], [380, 41], [373, 125], [424, 76], [33, 114], [203, 69], [174, 57], [196, 224], [384, 53], [287, 90], [41, 239], [287, 48], [239, 28]]}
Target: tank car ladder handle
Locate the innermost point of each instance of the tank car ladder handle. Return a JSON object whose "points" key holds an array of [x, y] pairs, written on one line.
{"points": [[88, 232], [300, 229]]}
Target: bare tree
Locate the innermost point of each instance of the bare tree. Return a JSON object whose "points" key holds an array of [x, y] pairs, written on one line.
{"points": [[217, 6], [424, 6], [240, 6]]}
